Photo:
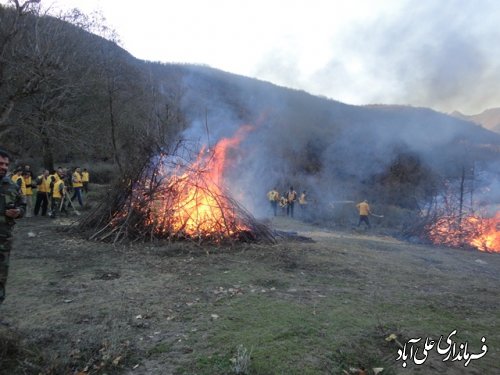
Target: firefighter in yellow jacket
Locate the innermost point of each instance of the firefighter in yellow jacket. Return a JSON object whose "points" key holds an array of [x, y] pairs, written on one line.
{"points": [[55, 175], [364, 212], [291, 198], [17, 178], [28, 183], [76, 179], [273, 196], [58, 190], [42, 195]]}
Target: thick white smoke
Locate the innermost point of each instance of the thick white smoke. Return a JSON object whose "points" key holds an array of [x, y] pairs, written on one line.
{"points": [[327, 148]]}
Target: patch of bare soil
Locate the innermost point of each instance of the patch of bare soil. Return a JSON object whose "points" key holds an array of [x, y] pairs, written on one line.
{"points": [[80, 307]]}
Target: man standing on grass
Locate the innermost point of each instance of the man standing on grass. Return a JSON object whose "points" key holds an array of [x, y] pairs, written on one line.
{"points": [[76, 180], [364, 211], [58, 192], [12, 206], [28, 192], [273, 196], [42, 194], [291, 198]]}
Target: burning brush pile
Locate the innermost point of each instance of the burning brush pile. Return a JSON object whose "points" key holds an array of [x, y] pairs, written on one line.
{"points": [[473, 231], [174, 200]]}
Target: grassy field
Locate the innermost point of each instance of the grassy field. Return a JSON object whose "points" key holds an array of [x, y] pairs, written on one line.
{"points": [[297, 307]]}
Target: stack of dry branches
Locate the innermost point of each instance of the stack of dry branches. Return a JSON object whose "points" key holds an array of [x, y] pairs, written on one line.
{"points": [[160, 202]]}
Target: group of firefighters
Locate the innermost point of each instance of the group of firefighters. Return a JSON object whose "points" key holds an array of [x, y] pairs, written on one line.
{"points": [[287, 202], [16, 198], [54, 187]]}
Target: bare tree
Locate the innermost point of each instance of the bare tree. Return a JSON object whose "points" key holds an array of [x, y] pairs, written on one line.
{"points": [[55, 55], [13, 27], [68, 87], [163, 99]]}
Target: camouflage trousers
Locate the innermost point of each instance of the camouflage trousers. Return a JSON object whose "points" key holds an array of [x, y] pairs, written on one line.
{"points": [[55, 207], [5, 246]]}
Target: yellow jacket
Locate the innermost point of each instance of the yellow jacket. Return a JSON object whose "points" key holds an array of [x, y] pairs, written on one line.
{"points": [[85, 177], [292, 196], [364, 209], [58, 189], [44, 185], [27, 184], [273, 196], [15, 179], [77, 180]]}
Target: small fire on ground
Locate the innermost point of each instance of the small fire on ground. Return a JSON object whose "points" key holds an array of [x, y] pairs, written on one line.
{"points": [[473, 231]]}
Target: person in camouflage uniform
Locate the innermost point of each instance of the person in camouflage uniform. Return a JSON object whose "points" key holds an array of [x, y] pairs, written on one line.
{"points": [[12, 206]]}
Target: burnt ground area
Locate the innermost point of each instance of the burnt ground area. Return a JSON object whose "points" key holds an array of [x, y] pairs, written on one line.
{"points": [[295, 307]]}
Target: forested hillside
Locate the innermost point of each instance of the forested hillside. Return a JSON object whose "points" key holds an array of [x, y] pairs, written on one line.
{"points": [[489, 118], [68, 95]]}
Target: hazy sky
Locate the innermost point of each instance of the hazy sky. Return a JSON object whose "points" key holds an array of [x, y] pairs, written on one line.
{"points": [[441, 54]]}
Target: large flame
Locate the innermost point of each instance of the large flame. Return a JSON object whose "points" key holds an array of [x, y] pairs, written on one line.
{"points": [[489, 240], [473, 230], [190, 201]]}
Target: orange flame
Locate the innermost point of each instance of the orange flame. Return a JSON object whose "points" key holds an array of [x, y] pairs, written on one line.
{"points": [[489, 240], [190, 201], [475, 231]]}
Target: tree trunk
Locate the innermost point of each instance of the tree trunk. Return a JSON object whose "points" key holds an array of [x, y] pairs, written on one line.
{"points": [[461, 201], [112, 123], [47, 154]]}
